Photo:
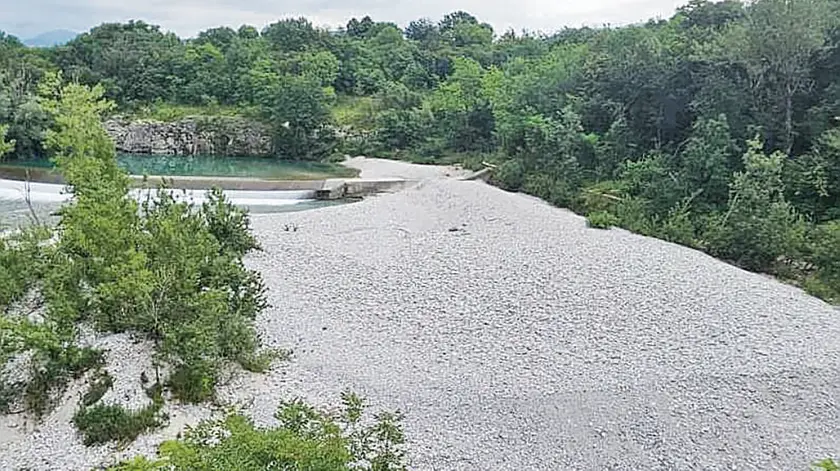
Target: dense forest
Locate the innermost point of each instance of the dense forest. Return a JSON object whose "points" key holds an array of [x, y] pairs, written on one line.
{"points": [[717, 128]]}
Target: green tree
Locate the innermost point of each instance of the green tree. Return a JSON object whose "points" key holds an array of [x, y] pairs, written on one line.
{"points": [[163, 269], [706, 165], [775, 45], [760, 228], [294, 35], [132, 61], [462, 110]]}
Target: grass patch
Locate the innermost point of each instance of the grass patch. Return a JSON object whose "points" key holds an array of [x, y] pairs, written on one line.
{"points": [[192, 383]]}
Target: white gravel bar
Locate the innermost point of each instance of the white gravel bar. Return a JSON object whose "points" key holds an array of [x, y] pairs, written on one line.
{"points": [[516, 338], [513, 337]]}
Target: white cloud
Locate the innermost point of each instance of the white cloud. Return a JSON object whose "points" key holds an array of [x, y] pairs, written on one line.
{"points": [[187, 17]]}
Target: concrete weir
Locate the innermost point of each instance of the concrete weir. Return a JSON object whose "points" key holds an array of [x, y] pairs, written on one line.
{"points": [[330, 189]]}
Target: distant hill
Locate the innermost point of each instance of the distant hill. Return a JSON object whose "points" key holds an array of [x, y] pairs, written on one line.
{"points": [[51, 38]]}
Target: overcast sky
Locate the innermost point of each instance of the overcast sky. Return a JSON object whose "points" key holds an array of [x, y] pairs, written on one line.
{"points": [[26, 18]]}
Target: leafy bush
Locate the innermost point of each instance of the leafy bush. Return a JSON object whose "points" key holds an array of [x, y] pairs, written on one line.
{"points": [[601, 220], [306, 439], [51, 362], [106, 423], [167, 270], [634, 215], [825, 465], [510, 175], [677, 226], [825, 245], [22, 263], [760, 226]]}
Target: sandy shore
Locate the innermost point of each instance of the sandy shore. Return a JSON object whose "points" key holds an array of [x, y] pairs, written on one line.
{"points": [[514, 337]]}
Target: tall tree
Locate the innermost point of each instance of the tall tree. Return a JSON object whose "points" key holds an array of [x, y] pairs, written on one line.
{"points": [[775, 45]]}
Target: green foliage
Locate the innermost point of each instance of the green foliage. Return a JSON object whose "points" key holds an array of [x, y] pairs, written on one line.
{"points": [[678, 227], [356, 112], [52, 362], [760, 226], [304, 439], [22, 262], [5, 146], [601, 220], [167, 271], [825, 465], [825, 243], [133, 61], [510, 175], [105, 423]]}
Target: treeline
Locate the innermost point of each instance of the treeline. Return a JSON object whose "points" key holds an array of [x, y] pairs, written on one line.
{"points": [[716, 128]]}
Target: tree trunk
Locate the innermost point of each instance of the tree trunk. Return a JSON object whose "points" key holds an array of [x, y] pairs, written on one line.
{"points": [[788, 119]]}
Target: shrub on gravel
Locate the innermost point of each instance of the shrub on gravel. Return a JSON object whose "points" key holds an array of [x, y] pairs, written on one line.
{"points": [[168, 271], [22, 262], [52, 362], [825, 465], [304, 439], [104, 423]]}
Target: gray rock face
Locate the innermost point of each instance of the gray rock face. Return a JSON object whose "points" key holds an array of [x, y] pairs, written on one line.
{"points": [[191, 136]]}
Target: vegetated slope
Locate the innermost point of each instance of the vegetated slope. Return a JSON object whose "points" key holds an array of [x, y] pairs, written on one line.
{"points": [[514, 337]]}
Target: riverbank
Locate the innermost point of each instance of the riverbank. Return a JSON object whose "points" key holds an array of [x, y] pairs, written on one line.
{"points": [[513, 336]]}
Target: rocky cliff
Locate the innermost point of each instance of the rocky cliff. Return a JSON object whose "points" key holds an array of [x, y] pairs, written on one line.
{"points": [[190, 136]]}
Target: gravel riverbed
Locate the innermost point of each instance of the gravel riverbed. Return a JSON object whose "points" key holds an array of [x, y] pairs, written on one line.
{"points": [[513, 337]]}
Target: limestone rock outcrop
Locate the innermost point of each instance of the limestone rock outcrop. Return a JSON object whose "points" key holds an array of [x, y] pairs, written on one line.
{"points": [[191, 136]]}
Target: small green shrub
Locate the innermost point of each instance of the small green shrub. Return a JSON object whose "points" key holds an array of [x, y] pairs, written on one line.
{"points": [[601, 220], [634, 216], [261, 361], [107, 423], [824, 247], [825, 465], [677, 226], [510, 175], [306, 439], [53, 362], [22, 262], [193, 383]]}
